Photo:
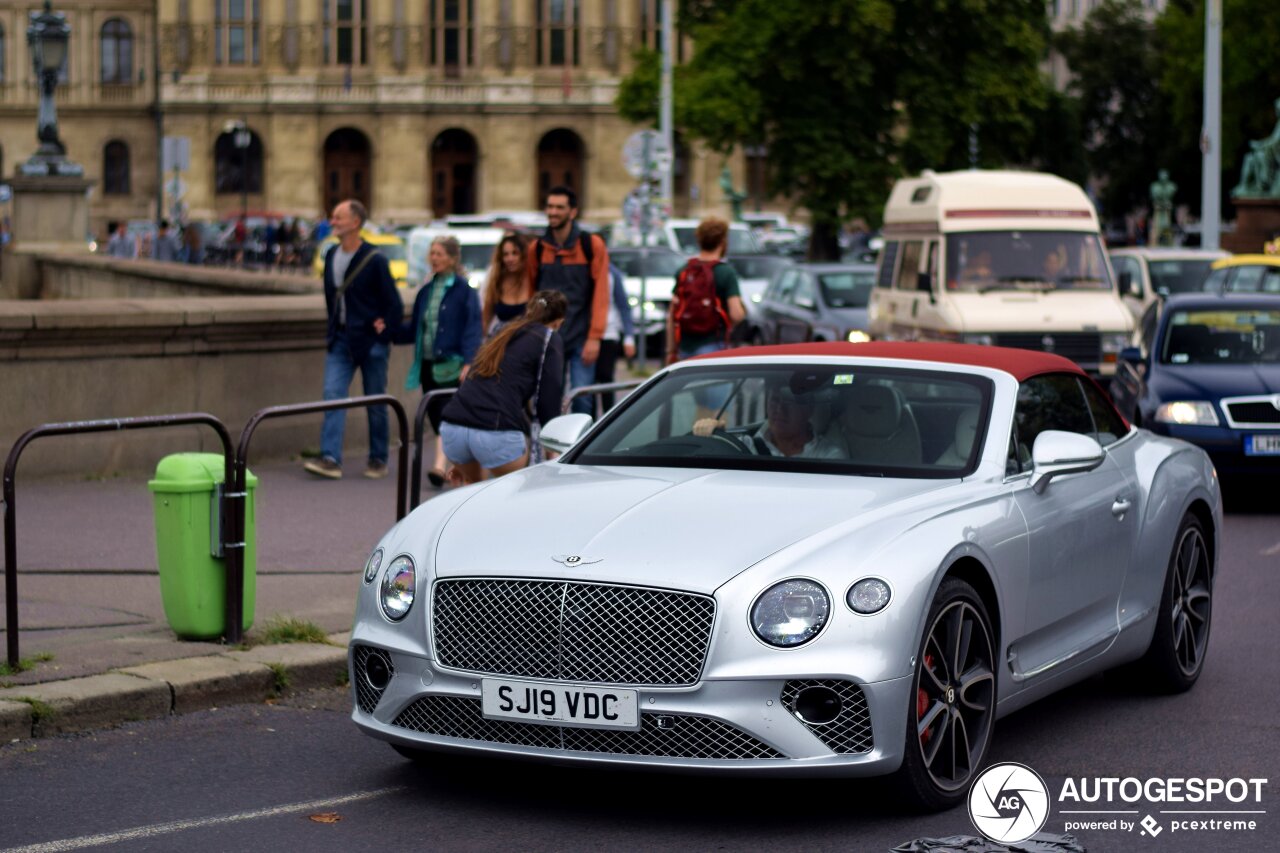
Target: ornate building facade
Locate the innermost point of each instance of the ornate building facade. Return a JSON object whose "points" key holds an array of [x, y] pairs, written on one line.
{"points": [[418, 107]]}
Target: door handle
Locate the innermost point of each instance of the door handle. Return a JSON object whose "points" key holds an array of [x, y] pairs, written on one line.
{"points": [[1120, 507]]}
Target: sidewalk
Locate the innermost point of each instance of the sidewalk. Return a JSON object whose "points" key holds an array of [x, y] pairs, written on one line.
{"points": [[92, 623]]}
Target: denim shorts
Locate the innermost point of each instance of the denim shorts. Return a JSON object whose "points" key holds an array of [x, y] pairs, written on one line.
{"points": [[489, 447]]}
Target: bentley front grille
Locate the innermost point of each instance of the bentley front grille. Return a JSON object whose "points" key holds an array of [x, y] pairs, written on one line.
{"points": [[849, 730], [571, 631], [659, 735]]}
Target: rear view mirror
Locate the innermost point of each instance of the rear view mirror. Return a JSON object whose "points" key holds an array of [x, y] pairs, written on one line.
{"points": [[1056, 453], [924, 284], [563, 432]]}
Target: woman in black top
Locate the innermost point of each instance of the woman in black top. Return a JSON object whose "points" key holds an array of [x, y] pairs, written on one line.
{"points": [[485, 426]]}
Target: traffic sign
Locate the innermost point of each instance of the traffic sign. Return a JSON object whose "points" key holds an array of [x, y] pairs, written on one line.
{"points": [[645, 155], [175, 187]]}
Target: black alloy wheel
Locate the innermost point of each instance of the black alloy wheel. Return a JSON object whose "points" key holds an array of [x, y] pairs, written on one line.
{"points": [[1176, 655]]}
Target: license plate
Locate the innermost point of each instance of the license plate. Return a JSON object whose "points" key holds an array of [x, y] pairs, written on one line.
{"points": [[559, 704], [1262, 445]]}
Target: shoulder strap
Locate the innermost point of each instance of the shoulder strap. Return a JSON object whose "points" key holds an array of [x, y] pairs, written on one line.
{"points": [[351, 274], [587, 251], [542, 360]]}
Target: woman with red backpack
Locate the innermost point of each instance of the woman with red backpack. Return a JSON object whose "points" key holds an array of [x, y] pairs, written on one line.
{"points": [[706, 303]]}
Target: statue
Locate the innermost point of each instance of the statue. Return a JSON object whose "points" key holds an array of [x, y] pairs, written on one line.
{"points": [[1260, 172], [1162, 210], [734, 197]]}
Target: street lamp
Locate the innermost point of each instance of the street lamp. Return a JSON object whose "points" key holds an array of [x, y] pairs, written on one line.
{"points": [[47, 35]]}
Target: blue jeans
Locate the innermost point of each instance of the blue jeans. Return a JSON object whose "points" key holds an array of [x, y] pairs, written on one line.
{"points": [[579, 375], [708, 398], [339, 369]]}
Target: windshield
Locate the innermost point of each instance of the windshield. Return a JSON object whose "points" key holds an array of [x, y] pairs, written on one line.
{"points": [[982, 261], [740, 240], [1239, 335], [654, 263], [1255, 279], [832, 419], [757, 266], [1178, 276], [847, 289]]}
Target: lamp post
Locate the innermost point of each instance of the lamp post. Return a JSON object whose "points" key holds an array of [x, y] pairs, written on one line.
{"points": [[241, 137], [47, 36]]}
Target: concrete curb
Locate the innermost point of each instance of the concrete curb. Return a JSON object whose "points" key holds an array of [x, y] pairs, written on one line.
{"points": [[159, 689]]}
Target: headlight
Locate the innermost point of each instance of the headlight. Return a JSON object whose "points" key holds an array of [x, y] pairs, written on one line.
{"points": [[633, 301], [756, 297], [398, 586], [857, 336], [790, 613], [1113, 343], [371, 567], [867, 596], [1196, 412], [980, 340]]}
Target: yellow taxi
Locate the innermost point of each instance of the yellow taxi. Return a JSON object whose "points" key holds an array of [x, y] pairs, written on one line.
{"points": [[391, 247], [1244, 274]]}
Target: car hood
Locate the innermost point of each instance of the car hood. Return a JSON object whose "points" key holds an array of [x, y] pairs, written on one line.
{"points": [[1055, 311], [1211, 381], [678, 528]]}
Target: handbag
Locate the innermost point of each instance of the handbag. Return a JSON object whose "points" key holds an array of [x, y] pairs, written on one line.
{"points": [[535, 426], [447, 371]]}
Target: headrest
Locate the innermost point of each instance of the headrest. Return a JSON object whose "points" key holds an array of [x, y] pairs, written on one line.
{"points": [[966, 429], [872, 411]]}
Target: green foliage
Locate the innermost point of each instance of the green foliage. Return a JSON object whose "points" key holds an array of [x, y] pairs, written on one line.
{"points": [[286, 629], [24, 664], [637, 99], [281, 678]]}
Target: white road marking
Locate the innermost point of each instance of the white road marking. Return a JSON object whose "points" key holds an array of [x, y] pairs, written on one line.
{"points": [[183, 825]]}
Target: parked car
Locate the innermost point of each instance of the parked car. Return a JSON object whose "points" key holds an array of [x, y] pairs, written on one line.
{"points": [[660, 267], [1207, 370], [754, 274], [1145, 274], [664, 596], [1244, 274], [391, 246], [680, 234], [815, 302]]}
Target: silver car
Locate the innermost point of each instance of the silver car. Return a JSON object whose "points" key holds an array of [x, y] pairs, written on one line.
{"points": [[840, 559]]}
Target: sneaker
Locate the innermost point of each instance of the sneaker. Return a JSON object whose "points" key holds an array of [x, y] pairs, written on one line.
{"points": [[324, 468], [376, 469]]}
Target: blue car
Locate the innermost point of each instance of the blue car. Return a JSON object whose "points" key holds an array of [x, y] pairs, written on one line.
{"points": [[1207, 370]]}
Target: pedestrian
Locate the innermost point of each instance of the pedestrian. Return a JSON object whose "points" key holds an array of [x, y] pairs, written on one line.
{"points": [[166, 245], [619, 336], [121, 244], [193, 243], [445, 331], [706, 302], [507, 289], [576, 263], [240, 236], [364, 307], [515, 382]]}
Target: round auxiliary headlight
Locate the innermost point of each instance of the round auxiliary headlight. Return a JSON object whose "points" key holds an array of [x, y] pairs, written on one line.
{"points": [[790, 613], [867, 596], [398, 588], [371, 567]]}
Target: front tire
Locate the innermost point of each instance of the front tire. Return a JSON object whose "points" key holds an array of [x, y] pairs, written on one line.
{"points": [[952, 712], [1175, 658]]}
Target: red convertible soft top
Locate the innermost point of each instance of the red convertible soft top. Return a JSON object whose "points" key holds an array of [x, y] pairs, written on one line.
{"points": [[1020, 363]]}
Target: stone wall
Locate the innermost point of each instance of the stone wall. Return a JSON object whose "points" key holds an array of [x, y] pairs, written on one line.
{"points": [[84, 276]]}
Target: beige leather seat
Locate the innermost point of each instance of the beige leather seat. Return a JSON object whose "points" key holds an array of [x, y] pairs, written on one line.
{"points": [[878, 427], [957, 453]]}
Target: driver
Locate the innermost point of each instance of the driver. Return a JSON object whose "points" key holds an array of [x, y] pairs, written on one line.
{"points": [[787, 429]]}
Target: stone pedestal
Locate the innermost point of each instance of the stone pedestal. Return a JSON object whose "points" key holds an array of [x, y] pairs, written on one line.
{"points": [[50, 214], [1257, 221]]}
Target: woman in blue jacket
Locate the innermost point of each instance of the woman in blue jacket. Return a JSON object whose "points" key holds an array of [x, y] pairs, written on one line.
{"points": [[445, 331]]}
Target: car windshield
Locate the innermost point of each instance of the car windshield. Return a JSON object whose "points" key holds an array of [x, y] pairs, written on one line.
{"points": [[757, 266], [1236, 335], [653, 263], [983, 261], [818, 418], [740, 240], [1178, 276], [850, 289]]}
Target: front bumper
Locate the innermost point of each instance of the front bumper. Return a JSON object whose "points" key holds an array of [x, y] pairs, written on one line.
{"points": [[716, 726], [1225, 446]]}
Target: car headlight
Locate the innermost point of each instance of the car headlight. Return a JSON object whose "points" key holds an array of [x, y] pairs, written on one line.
{"points": [[633, 301], [756, 297], [371, 567], [980, 340], [857, 336], [790, 613], [867, 596], [1115, 342], [1197, 412], [398, 586]]}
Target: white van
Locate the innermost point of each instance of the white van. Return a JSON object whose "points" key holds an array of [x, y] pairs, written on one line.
{"points": [[477, 244], [995, 257]]}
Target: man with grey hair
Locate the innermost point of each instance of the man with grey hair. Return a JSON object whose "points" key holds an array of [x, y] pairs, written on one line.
{"points": [[364, 308]]}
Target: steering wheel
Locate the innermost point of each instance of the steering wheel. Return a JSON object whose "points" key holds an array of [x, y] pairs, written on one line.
{"points": [[722, 435]]}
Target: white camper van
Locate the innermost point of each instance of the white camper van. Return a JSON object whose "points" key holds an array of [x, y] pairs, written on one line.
{"points": [[992, 257]]}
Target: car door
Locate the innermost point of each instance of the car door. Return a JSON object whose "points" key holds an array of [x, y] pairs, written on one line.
{"points": [[1080, 534], [796, 314], [775, 302], [1133, 289]]}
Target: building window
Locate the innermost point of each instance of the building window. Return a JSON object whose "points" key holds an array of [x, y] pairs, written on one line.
{"points": [[117, 52], [115, 168], [452, 34], [235, 169], [557, 32], [650, 22], [237, 32], [1, 53], [346, 32]]}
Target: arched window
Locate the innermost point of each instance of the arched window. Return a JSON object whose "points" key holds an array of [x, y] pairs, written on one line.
{"points": [[115, 168], [237, 169], [117, 52]]}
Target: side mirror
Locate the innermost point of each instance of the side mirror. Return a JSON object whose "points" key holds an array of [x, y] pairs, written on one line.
{"points": [[1056, 453], [1133, 355], [924, 284], [805, 302], [1130, 286], [563, 432]]}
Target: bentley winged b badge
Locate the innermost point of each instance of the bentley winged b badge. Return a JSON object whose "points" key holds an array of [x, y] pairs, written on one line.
{"points": [[575, 560]]}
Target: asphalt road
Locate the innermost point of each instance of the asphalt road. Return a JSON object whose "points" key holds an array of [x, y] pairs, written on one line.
{"points": [[298, 776]]}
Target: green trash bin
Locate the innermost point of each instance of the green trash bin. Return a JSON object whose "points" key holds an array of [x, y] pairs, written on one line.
{"points": [[193, 582]]}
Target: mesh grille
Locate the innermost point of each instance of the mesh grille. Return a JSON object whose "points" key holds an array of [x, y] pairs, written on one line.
{"points": [[850, 731], [1086, 347], [1255, 412], [368, 696], [682, 736], [580, 632]]}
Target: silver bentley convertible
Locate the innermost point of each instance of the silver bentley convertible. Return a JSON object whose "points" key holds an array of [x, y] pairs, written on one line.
{"points": [[843, 559]]}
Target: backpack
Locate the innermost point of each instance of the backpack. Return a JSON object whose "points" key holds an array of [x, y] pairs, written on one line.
{"points": [[588, 253], [698, 310]]}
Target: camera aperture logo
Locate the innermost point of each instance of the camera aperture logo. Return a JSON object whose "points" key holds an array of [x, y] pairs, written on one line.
{"points": [[1008, 803]]}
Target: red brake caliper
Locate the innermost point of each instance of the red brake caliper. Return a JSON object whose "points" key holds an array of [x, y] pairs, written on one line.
{"points": [[922, 701]]}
